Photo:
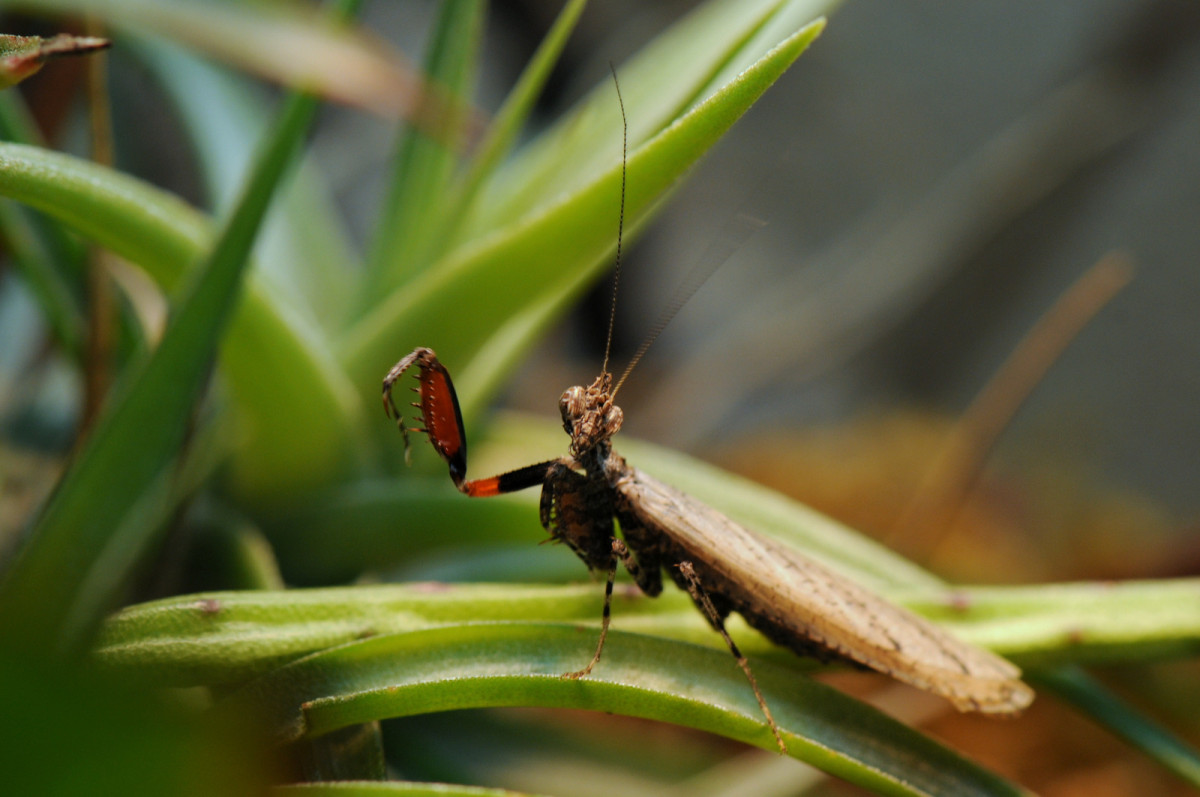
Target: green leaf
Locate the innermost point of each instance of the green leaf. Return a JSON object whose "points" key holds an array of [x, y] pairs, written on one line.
{"points": [[270, 353], [1081, 622], [21, 236], [664, 79], [103, 517], [16, 121], [500, 136], [45, 256], [513, 282], [229, 637], [510, 664], [303, 249], [424, 164], [224, 637]]}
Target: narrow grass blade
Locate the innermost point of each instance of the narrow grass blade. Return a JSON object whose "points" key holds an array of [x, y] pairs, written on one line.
{"points": [[58, 301], [659, 84], [47, 260], [303, 246], [424, 164], [1077, 688], [500, 136]]}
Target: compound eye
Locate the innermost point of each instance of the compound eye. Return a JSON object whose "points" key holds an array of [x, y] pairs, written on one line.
{"points": [[614, 419], [571, 405]]}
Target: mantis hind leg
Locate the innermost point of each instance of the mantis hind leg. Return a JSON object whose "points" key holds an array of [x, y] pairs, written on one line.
{"points": [[701, 598]]}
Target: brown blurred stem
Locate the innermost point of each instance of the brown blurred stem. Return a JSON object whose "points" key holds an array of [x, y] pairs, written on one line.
{"points": [[955, 471], [100, 293]]}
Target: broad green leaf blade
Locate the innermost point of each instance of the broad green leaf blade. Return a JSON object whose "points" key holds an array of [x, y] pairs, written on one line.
{"points": [[520, 664], [500, 136], [16, 121], [548, 258], [424, 165], [303, 248], [659, 83], [103, 517], [270, 354], [1077, 688], [703, 36], [777, 26]]}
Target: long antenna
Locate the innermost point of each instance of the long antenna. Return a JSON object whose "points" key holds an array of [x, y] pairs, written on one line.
{"points": [[730, 238], [612, 313]]}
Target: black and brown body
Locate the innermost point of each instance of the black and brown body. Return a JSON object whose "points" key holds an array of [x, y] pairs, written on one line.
{"points": [[801, 604], [725, 567]]}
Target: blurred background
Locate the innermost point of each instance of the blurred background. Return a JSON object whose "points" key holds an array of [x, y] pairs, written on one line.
{"points": [[933, 179]]}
